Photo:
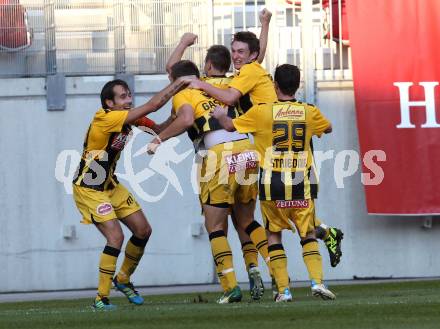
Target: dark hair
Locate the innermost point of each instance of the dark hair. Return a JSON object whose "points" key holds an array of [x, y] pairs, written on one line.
{"points": [[287, 77], [182, 68], [220, 57], [107, 92], [249, 38]]}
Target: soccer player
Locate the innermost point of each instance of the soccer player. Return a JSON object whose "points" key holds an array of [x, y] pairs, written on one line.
{"points": [[217, 64], [228, 169], [282, 133], [253, 85], [105, 202]]}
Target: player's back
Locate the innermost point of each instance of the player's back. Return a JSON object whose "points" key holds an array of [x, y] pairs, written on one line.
{"points": [[282, 135], [204, 124]]}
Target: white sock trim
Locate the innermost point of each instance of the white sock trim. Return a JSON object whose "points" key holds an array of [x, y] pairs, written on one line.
{"points": [[228, 270]]}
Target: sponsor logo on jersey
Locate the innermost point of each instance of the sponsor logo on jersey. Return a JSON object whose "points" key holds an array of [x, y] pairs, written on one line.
{"points": [[119, 140], [296, 164], [292, 203], [289, 112]]}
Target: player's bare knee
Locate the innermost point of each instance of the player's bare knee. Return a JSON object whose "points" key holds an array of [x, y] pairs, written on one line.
{"points": [[115, 240], [244, 222], [142, 232], [145, 232]]}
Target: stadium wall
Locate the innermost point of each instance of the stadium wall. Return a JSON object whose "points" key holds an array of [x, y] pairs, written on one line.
{"points": [[44, 247]]}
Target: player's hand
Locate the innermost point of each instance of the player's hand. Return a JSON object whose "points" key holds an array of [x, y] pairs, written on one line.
{"points": [[183, 82], [186, 80], [196, 84], [265, 16], [219, 111], [153, 145], [188, 39]]}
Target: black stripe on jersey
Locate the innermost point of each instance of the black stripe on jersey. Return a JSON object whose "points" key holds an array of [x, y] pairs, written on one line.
{"points": [[82, 163], [278, 186], [108, 165], [245, 103], [193, 133], [203, 125], [86, 140], [79, 170], [262, 191]]}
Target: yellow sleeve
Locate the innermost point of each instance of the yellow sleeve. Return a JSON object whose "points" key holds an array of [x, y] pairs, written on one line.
{"points": [[246, 79], [179, 100], [248, 122], [320, 122], [111, 121]]}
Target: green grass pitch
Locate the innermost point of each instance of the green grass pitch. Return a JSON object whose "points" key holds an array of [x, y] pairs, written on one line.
{"points": [[412, 305]]}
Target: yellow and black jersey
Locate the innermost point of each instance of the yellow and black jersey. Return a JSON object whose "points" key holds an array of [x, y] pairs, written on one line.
{"points": [[104, 141], [202, 104], [221, 81], [282, 135], [255, 85]]}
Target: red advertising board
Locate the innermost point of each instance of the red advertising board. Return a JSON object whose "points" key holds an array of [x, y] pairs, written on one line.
{"points": [[396, 72]]}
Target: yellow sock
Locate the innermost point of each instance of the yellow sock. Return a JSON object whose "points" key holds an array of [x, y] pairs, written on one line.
{"points": [[134, 250], [107, 267], [223, 281], [258, 237], [250, 254], [223, 259], [278, 264], [312, 259]]}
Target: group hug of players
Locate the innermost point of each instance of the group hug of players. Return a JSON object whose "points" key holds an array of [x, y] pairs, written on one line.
{"points": [[218, 113]]}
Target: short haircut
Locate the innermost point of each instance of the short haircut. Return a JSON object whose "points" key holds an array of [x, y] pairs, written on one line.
{"points": [[249, 38], [287, 77], [183, 68], [107, 92], [220, 57]]}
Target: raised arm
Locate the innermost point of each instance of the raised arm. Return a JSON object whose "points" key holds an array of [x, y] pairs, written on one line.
{"points": [[158, 100], [265, 16], [187, 40]]}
